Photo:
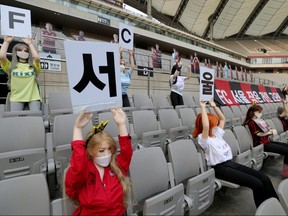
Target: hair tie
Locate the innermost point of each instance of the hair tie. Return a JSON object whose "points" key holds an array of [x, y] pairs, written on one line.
{"points": [[96, 129]]}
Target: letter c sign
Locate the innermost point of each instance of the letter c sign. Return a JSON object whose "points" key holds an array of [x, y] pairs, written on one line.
{"points": [[126, 39]]}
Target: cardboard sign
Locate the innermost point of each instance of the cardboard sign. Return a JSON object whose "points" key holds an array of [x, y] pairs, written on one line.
{"points": [[206, 83], [94, 75], [15, 21], [126, 36]]}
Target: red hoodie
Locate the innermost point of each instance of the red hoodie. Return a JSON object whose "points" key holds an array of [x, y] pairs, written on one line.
{"points": [[83, 181]]}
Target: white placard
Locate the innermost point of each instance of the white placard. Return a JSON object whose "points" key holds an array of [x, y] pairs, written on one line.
{"points": [[206, 83], [126, 36], [47, 64], [15, 21], [94, 75]]}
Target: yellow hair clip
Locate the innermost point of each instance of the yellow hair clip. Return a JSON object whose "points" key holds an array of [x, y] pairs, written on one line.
{"points": [[101, 126]]}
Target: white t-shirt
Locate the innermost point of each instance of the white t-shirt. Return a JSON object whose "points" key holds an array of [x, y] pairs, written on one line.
{"points": [[216, 149], [178, 87]]}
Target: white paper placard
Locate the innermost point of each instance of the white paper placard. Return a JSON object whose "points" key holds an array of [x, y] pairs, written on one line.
{"points": [[94, 75], [206, 83], [15, 21], [126, 36]]}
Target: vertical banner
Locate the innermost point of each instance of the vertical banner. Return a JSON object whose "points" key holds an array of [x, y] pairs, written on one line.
{"points": [[15, 21], [93, 75], [206, 83], [126, 36]]}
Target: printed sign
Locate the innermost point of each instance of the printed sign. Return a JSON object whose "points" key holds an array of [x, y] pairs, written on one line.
{"points": [[47, 64], [206, 83], [93, 74], [15, 21], [126, 36], [143, 71]]}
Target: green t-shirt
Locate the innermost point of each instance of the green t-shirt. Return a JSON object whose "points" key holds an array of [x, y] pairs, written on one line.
{"points": [[24, 86]]}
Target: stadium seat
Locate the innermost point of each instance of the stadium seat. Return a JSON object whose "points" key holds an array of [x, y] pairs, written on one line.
{"points": [[170, 122], [147, 129], [189, 101], [270, 206], [59, 104], [151, 194], [246, 143], [142, 101], [161, 102], [22, 147], [25, 195], [280, 130], [282, 192], [238, 114], [245, 157], [188, 117], [59, 141], [230, 120], [188, 169]]}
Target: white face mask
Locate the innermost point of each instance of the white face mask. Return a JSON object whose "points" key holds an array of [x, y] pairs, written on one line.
{"points": [[22, 54], [258, 115], [103, 161], [122, 68]]}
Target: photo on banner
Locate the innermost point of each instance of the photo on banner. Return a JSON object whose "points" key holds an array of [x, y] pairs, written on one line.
{"points": [[15, 21], [206, 84], [93, 75], [126, 36]]}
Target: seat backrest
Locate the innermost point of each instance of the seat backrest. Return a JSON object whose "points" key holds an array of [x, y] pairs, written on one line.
{"points": [[185, 160], [144, 121], [243, 109], [188, 100], [22, 146], [187, 116], [63, 129], [168, 118], [283, 194], [227, 112], [59, 100], [140, 100], [21, 133], [160, 101], [111, 127], [237, 111], [278, 125], [270, 206], [25, 195], [244, 138], [152, 162], [232, 141]]}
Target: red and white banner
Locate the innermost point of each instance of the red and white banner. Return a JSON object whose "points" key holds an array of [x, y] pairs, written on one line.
{"points": [[235, 93]]}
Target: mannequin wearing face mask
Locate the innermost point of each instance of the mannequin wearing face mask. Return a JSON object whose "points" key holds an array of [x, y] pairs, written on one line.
{"points": [[261, 134], [97, 178], [209, 131], [22, 72], [125, 76]]}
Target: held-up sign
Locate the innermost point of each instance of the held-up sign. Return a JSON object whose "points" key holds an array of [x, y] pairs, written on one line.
{"points": [[15, 21], [94, 75], [126, 36], [206, 83], [47, 64]]}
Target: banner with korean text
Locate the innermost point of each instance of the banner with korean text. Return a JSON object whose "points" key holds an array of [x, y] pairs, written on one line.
{"points": [[236, 93]]}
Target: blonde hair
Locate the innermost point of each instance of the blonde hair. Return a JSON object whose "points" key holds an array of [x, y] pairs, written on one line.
{"points": [[95, 143]]}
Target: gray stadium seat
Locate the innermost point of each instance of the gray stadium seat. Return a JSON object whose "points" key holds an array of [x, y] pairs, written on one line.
{"points": [[245, 157], [61, 139], [24, 195], [150, 178], [229, 116], [189, 101], [246, 143], [147, 129], [161, 102], [282, 192], [22, 146], [170, 122], [188, 169], [187, 116], [270, 207], [142, 101]]}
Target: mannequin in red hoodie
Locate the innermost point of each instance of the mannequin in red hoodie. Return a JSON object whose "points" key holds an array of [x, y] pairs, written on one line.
{"points": [[96, 178]]}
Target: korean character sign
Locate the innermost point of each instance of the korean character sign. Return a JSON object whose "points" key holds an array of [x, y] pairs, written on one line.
{"points": [[94, 75], [206, 83]]}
